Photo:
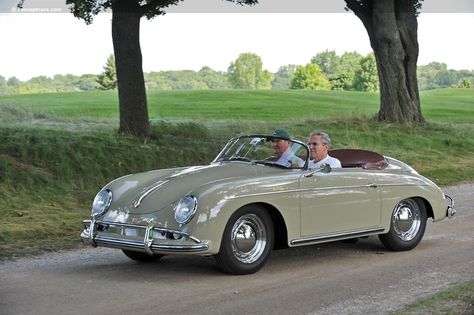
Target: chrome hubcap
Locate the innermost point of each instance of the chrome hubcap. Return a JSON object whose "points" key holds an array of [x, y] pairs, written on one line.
{"points": [[406, 220], [248, 238]]}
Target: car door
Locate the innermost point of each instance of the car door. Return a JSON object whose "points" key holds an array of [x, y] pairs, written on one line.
{"points": [[343, 200]]}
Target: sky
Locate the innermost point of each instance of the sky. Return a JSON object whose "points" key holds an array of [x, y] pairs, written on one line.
{"points": [[34, 44]]}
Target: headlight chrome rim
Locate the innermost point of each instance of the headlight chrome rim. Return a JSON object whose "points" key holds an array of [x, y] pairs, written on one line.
{"points": [[188, 202], [101, 203]]}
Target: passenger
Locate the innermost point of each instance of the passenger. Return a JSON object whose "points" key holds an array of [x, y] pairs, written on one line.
{"points": [[319, 144], [281, 146]]}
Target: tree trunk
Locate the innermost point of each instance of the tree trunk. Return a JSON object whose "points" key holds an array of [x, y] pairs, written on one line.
{"points": [[128, 62], [392, 28]]}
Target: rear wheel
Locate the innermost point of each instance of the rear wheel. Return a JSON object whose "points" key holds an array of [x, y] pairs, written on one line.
{"points": [[247, 241], [407, 226], [141, 257]]}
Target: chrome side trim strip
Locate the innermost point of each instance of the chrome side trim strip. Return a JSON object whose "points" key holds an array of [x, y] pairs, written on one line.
{"points": [[302, 190], [138, 202], [302, 241]]}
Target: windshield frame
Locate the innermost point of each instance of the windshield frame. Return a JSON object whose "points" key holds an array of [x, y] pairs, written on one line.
{"points": [[220, 158]]}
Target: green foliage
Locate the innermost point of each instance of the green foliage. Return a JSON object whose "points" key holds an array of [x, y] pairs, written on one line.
{"points": [[432, 76], [108, 79], [204, 79], [328, 61], [365, 77], [213, 79], [87, 9], [283, 77], [310, 77], [344, 76], [465, 84], [43, 84], [436, 75], [246, 72], [3, 82], [340, 70]]}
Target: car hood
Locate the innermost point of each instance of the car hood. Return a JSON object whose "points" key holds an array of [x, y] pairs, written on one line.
{"points": [[152, 191]]}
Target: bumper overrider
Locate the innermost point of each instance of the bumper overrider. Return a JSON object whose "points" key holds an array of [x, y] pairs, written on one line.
{"points": [[450, 211], [138, 237]]}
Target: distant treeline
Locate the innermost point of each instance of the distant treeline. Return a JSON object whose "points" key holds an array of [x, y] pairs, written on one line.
{"points": [[326, 70]]}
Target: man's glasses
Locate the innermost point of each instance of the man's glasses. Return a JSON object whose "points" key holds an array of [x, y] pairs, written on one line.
{"points": [[314, 143]]}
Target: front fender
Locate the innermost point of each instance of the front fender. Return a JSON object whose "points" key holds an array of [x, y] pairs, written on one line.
{"points": [[216, 207]]}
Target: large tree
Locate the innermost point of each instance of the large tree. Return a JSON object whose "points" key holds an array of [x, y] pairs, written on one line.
{"points": [[126, 16], [393, 33]]}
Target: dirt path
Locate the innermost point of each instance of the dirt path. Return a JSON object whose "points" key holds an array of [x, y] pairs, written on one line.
{"points": [[337, 278]]}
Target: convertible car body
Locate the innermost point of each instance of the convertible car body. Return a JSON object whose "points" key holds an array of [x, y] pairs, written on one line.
{"points": [[244, 204]]}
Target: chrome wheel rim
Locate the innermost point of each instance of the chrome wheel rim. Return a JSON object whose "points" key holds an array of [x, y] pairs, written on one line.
{"points": [[406, 220], [248, 238]]}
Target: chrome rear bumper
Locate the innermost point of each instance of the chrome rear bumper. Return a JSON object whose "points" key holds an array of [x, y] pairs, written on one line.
{"points": [[450, 211], [152, 242]]}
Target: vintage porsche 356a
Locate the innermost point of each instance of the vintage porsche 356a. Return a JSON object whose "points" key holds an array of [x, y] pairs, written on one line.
{"points": [[242, 205]]}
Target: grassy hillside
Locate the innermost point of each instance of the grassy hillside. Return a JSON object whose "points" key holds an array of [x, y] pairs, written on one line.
{"points": [[58, 150], [448, 105]]}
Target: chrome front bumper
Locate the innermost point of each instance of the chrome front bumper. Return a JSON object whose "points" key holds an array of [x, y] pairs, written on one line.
{"points": [[450, 211], [154, 238]]}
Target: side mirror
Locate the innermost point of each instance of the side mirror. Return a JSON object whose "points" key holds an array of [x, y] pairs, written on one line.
{"points": [[325, 168]]}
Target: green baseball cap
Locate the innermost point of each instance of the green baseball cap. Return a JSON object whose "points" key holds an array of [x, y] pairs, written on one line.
{"points": [[281, 134]]}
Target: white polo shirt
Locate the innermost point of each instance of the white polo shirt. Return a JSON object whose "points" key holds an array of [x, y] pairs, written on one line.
{"points": [[333, 162]]}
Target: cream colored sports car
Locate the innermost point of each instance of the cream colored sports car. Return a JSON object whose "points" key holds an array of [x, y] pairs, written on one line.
{"points": [[245, 203]]}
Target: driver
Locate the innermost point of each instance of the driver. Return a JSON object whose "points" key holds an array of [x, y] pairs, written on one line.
{"points": [[281, 146]]}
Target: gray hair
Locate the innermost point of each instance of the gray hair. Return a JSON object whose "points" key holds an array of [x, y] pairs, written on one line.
{"points": [[324, 136]]}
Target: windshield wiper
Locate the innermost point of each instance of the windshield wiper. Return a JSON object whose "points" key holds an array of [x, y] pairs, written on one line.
{"points": [[270, 163], [236, 158]]}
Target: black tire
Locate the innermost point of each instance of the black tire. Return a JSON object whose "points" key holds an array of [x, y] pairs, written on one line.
{"points": [[246, 242], [141, 257], [407, 226]]}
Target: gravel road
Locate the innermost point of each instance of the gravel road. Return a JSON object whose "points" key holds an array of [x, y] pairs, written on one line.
{"points": [[335, 278]]}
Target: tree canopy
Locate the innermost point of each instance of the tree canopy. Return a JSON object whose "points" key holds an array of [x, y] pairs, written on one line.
{"points": [[107, 80], [310, 77], [246, 72], [365, 77], [434, 75]]}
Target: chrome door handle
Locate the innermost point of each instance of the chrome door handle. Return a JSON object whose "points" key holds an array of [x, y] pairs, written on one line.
{"points": [[371, 186]]}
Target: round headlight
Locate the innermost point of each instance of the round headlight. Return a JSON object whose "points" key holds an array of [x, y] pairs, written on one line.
{"points": [[101, 202], [185, 209]]}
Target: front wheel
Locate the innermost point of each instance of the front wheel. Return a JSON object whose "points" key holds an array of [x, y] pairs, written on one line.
{"points": [[407, 226], [141, 257], [247, 241]]}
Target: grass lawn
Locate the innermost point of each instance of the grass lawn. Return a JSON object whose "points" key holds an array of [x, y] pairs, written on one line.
{"points": [[443, 106]]}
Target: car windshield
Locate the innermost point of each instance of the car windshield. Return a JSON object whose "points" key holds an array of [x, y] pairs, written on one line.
{"points": [[265, 150]]}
